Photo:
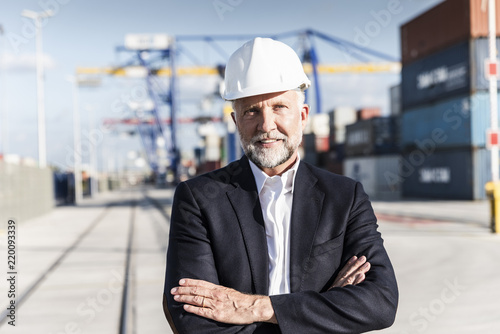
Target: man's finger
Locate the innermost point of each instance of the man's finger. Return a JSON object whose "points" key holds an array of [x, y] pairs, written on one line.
{"points": [[352, 265], [359, 278], [348, 265], [198, 301], [196, 282], [192, 291], [360, 273], [352, 273]]}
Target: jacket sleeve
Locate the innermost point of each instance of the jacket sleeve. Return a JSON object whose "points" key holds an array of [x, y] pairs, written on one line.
{"points": [[368, 306], [190, 255]]}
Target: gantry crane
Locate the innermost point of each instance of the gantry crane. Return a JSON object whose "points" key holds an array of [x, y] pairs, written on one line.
{"points": [[155, 56]]}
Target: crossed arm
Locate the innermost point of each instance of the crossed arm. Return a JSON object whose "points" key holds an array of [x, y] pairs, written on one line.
{"points": [[346, 307], [229, 306]]}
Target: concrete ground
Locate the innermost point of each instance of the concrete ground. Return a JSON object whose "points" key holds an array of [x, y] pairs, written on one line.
{"points": [[444, 255], [74, 258], [447, 265]]}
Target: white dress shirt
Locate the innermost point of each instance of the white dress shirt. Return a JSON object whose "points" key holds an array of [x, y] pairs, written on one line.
{"points": [[276, 197]]}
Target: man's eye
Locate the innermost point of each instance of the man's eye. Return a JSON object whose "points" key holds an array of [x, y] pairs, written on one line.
{"points": [[252, 111], [280, 107]]}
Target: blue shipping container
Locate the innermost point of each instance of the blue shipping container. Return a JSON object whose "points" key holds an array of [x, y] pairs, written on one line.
{"points": [[457, 70], [456, 122], [441, 75], [452, 174], [374, 136], [479, 57]]}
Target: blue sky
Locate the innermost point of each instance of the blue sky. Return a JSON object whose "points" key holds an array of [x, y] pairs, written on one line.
{"points": [[86, 33]]}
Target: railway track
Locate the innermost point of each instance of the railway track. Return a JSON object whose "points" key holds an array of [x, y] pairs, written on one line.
{"points": [[108, 237]]}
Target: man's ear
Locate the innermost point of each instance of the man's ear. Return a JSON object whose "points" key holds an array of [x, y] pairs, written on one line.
{"points": [[304, 114]]}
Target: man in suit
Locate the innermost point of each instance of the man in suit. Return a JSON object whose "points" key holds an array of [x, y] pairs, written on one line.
{"points": [[270, 244]]}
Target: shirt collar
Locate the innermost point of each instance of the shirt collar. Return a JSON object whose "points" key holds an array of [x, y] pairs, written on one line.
{"points": [[288, 177]]}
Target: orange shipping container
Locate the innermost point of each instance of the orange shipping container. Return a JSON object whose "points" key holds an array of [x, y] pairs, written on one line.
{"points": [[322, 143], [367, 113], [444, 25]]}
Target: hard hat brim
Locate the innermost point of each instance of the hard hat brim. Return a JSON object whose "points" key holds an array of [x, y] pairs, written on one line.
{"points": [[264, 90]]}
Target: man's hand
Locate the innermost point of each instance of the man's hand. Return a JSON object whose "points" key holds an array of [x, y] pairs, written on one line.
{"points": [[352, 273], [232, 307], [223, 304]]}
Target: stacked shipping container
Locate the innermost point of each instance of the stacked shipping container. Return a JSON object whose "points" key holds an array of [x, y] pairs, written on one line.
{"points": [[332, 156], [447, 24], [372, 156], [445, 102]]}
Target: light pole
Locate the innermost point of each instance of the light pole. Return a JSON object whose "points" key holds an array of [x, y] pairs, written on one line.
{"points": [[3, 109], [93, 153], [77, 143], [37, 19], [493, 188], [493, 87]]}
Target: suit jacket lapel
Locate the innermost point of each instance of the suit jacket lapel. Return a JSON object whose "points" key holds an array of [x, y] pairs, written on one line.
{"points": [[245, 202], [306, 212]]}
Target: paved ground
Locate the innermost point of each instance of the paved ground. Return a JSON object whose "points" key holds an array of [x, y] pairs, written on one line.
{"points": [[447, 265], [76, 260]]}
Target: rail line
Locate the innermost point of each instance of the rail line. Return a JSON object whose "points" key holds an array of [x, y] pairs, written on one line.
{"points": [[126, 322], [28, 292], [127, 312]]}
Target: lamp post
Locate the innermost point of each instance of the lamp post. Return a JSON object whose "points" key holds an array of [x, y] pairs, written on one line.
{"points": [[3, 109], [493, 87], [94, 185], [37, 18], [77, 143]]}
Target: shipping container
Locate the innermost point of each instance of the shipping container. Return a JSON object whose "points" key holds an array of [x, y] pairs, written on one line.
{"points": [[456, 122], [64, 188], [322, 143], [213, 147], [457, 70], [312, 144], [320, 125], [232, 147], [395, 100], [367, 113], [373, 136], [330, 161], [375, 174], [334, 158], [448, 23], [458, 174], [343, 116], [308, 148], [439, 76], [339, 118], [479, 56], [340, 135]]}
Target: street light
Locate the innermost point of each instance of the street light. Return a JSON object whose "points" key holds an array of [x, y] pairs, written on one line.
{"points": [[77, 144], [3, 109], [37, 18], [493, 87]]}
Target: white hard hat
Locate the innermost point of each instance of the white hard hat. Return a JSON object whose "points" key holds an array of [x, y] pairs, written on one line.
{"points": [[263, 66]]}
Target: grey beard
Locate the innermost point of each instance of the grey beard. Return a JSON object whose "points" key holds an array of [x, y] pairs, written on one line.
{"points": [[270, 158], [267, 159]]}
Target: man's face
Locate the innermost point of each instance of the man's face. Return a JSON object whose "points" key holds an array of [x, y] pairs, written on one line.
{"points": [[270, 128]]}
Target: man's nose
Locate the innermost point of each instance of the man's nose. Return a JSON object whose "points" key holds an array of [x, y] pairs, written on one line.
{"points": [[267, 121]]}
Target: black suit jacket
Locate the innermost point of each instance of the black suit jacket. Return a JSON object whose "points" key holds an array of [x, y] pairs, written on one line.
{"points": [[217, 234]]}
